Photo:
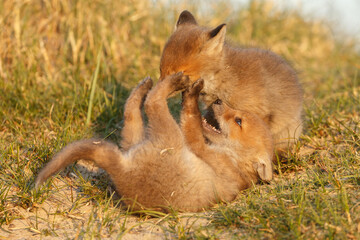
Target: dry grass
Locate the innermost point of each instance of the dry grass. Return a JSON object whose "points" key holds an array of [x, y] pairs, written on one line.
{"points": [[48, 58]]}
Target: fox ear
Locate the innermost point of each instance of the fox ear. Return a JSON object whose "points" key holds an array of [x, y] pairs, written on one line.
{"points": [[185, 18], [264, 168], [215, 43]]}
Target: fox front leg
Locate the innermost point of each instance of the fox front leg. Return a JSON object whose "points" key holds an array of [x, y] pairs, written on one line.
{"points": [[133, 131]]}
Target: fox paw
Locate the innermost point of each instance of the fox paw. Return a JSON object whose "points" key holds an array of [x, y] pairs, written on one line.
{"points": [[178, 81], [143, 87], [197, 86], [146, 83], [195, 89]]}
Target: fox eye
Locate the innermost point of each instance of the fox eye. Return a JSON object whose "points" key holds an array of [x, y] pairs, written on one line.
{"points": [[238, 121], [218, 102]]}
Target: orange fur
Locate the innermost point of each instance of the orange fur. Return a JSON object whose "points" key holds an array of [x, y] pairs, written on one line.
{"points": [[165, 164], [249, 79]]}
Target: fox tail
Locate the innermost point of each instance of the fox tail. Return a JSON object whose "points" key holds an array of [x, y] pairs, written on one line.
{"points": [[104, 154]]}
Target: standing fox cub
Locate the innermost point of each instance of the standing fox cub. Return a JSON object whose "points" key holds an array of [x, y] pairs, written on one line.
{"points": [[187, 167], [249, 79]]}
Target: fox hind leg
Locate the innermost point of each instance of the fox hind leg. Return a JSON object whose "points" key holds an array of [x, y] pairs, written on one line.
{"points": [[162, 125], [133, 131]]}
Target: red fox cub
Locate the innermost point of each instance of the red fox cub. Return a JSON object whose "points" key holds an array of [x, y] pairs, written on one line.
{"points": [[249, 79], [188, 168]]}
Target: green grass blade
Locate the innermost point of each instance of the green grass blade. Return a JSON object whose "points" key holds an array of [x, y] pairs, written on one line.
{"points": [[93, 87]]}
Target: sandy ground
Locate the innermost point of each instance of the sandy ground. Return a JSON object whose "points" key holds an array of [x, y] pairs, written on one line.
{"points": [[61, 216], [45, 222]]}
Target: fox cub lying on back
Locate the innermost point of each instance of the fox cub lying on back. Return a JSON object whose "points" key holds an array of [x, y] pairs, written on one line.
{"points": [[249, 79], [189, 167]]}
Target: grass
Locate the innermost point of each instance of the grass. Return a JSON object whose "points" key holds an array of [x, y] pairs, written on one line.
{"points": [[64, 64]]}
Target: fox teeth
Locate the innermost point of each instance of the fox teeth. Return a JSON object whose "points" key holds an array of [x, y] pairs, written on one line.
{"points": [[209, 125], [217, 131]]}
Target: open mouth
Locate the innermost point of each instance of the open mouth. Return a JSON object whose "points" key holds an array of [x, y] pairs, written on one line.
{"points": [[209, 122], [210, 127]]}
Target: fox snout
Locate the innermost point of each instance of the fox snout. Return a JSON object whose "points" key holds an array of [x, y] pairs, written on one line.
{"points": [[192, 78]]}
